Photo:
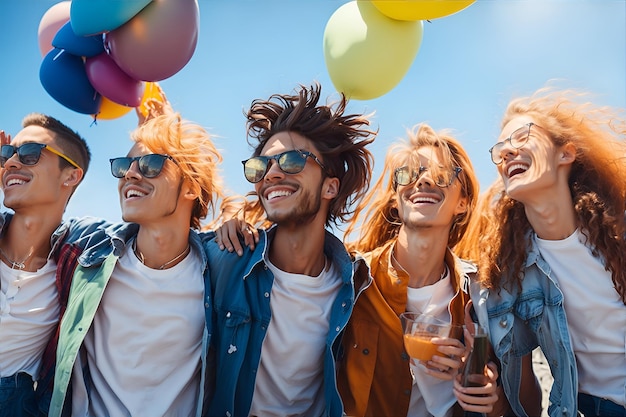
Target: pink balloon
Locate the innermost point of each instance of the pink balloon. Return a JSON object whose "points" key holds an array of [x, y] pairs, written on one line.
{"points": [[113, 83], [52, 20], [158, 42]]}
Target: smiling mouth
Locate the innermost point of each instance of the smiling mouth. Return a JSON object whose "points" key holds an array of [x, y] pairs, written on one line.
{"points": [[516, 169], [135, 193], [275, 194], [428, 200], [15, 181]]}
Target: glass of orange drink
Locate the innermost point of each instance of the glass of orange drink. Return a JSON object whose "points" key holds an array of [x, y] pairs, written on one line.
{"points": [[420, 329]]}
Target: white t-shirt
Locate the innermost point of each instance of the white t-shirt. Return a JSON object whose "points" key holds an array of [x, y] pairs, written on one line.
{"points": [[431, 396], [290, 378], [29, 311], [145, 343], [596, 316]]}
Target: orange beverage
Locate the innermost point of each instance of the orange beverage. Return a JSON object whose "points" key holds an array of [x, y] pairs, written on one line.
{"points": [[419, 346]]}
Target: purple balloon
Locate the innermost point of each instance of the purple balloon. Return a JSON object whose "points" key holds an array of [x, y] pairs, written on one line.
{"points": [[113, 83], [77, 45], [158, 42], [63, 76]]}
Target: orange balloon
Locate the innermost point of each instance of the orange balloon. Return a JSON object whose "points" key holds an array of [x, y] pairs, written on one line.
{"points": [[110, 110], [151, 92]]}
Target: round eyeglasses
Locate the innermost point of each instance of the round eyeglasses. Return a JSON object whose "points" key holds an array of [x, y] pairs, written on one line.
{"points": [[517, 139], [443, 178]]}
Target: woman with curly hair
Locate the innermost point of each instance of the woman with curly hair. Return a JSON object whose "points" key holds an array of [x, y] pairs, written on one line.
{"points": [[552, 252]]}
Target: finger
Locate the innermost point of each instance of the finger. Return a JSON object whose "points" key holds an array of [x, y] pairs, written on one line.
{"points": [[233, 238], [248, 238], [5, 138]]}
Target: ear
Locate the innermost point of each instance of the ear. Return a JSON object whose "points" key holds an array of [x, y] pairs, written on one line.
{"points": [[189, 192], [461, 206], [73, 177], [330, 189], [567, 154]]}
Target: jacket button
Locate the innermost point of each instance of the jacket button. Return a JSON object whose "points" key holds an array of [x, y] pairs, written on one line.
{"points": [[407, 392], [404, 356], [366, 351], [503, 323]]}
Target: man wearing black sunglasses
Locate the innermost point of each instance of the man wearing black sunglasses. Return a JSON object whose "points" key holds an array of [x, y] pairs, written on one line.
{"points": [[41, 168], [134, 338], [415, 213], [280, 308]]}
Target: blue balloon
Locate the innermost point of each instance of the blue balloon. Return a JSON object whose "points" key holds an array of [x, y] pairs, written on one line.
{"points": [[90, 17], [63, 76], [86, 46]]}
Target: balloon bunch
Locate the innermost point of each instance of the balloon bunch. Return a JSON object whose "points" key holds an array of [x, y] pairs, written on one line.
{"points": [[369, 45], [104, 57]]}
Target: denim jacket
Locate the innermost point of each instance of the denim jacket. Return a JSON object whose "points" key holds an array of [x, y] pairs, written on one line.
{"points": [[242, 288], [97, 256], [519, 321]]}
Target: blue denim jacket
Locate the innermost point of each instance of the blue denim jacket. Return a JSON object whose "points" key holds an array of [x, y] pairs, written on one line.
{"points": [[519, 321], [100, 251], [242, 288]]}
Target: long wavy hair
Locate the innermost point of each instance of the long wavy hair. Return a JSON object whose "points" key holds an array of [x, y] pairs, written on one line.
{"points": [[340, 139], [597, 183], [195, 154], [377, 219]]}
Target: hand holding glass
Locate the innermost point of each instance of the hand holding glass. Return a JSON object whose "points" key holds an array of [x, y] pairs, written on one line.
{"points": [[420, 329]]}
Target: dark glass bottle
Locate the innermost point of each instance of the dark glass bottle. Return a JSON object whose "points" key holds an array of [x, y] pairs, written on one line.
{"points": [[474, 370]]}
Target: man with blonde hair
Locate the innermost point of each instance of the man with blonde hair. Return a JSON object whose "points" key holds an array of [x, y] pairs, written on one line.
{"points": [[134, 339]]}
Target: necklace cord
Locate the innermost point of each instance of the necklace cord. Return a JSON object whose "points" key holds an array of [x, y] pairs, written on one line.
{"points": [[142, 259], [15, 264]]}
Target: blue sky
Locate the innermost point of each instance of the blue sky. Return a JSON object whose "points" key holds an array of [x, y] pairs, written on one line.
{"points": [[468, 67]]}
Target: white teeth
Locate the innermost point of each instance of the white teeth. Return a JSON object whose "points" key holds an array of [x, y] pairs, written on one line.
{"points": [[280, 193], [424, 200], [15, 181], [134, 193], [516, 167]]}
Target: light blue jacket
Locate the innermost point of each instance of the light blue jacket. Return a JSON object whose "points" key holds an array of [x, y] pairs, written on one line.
{"points": [[242, 288], [100, 252], [519, 321]]}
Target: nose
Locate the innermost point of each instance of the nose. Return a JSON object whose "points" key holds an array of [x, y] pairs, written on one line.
{"points": [[273, 171], [507, 150], [425, 179], [12, 162], [133, 171]]}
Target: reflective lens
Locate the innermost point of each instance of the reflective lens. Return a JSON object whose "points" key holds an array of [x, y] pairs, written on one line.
{"points": [[517, 139], [149, 165], [29, 153], [290, 162], [442, 177]]}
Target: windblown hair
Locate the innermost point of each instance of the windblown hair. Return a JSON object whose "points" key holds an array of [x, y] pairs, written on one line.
{"points": [[70, 142], [340, 139], [194, 152], [378, 211], [597, 184]]}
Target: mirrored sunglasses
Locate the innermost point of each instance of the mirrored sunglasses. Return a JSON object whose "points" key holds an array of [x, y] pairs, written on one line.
{"points": [[150, 165], [443, 178], [290, 162], [29, 153]]}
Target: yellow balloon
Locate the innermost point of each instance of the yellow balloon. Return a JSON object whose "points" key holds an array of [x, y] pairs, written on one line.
{"points": [[111, 110], [420, 9], [367, 54], [151, 91]]}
